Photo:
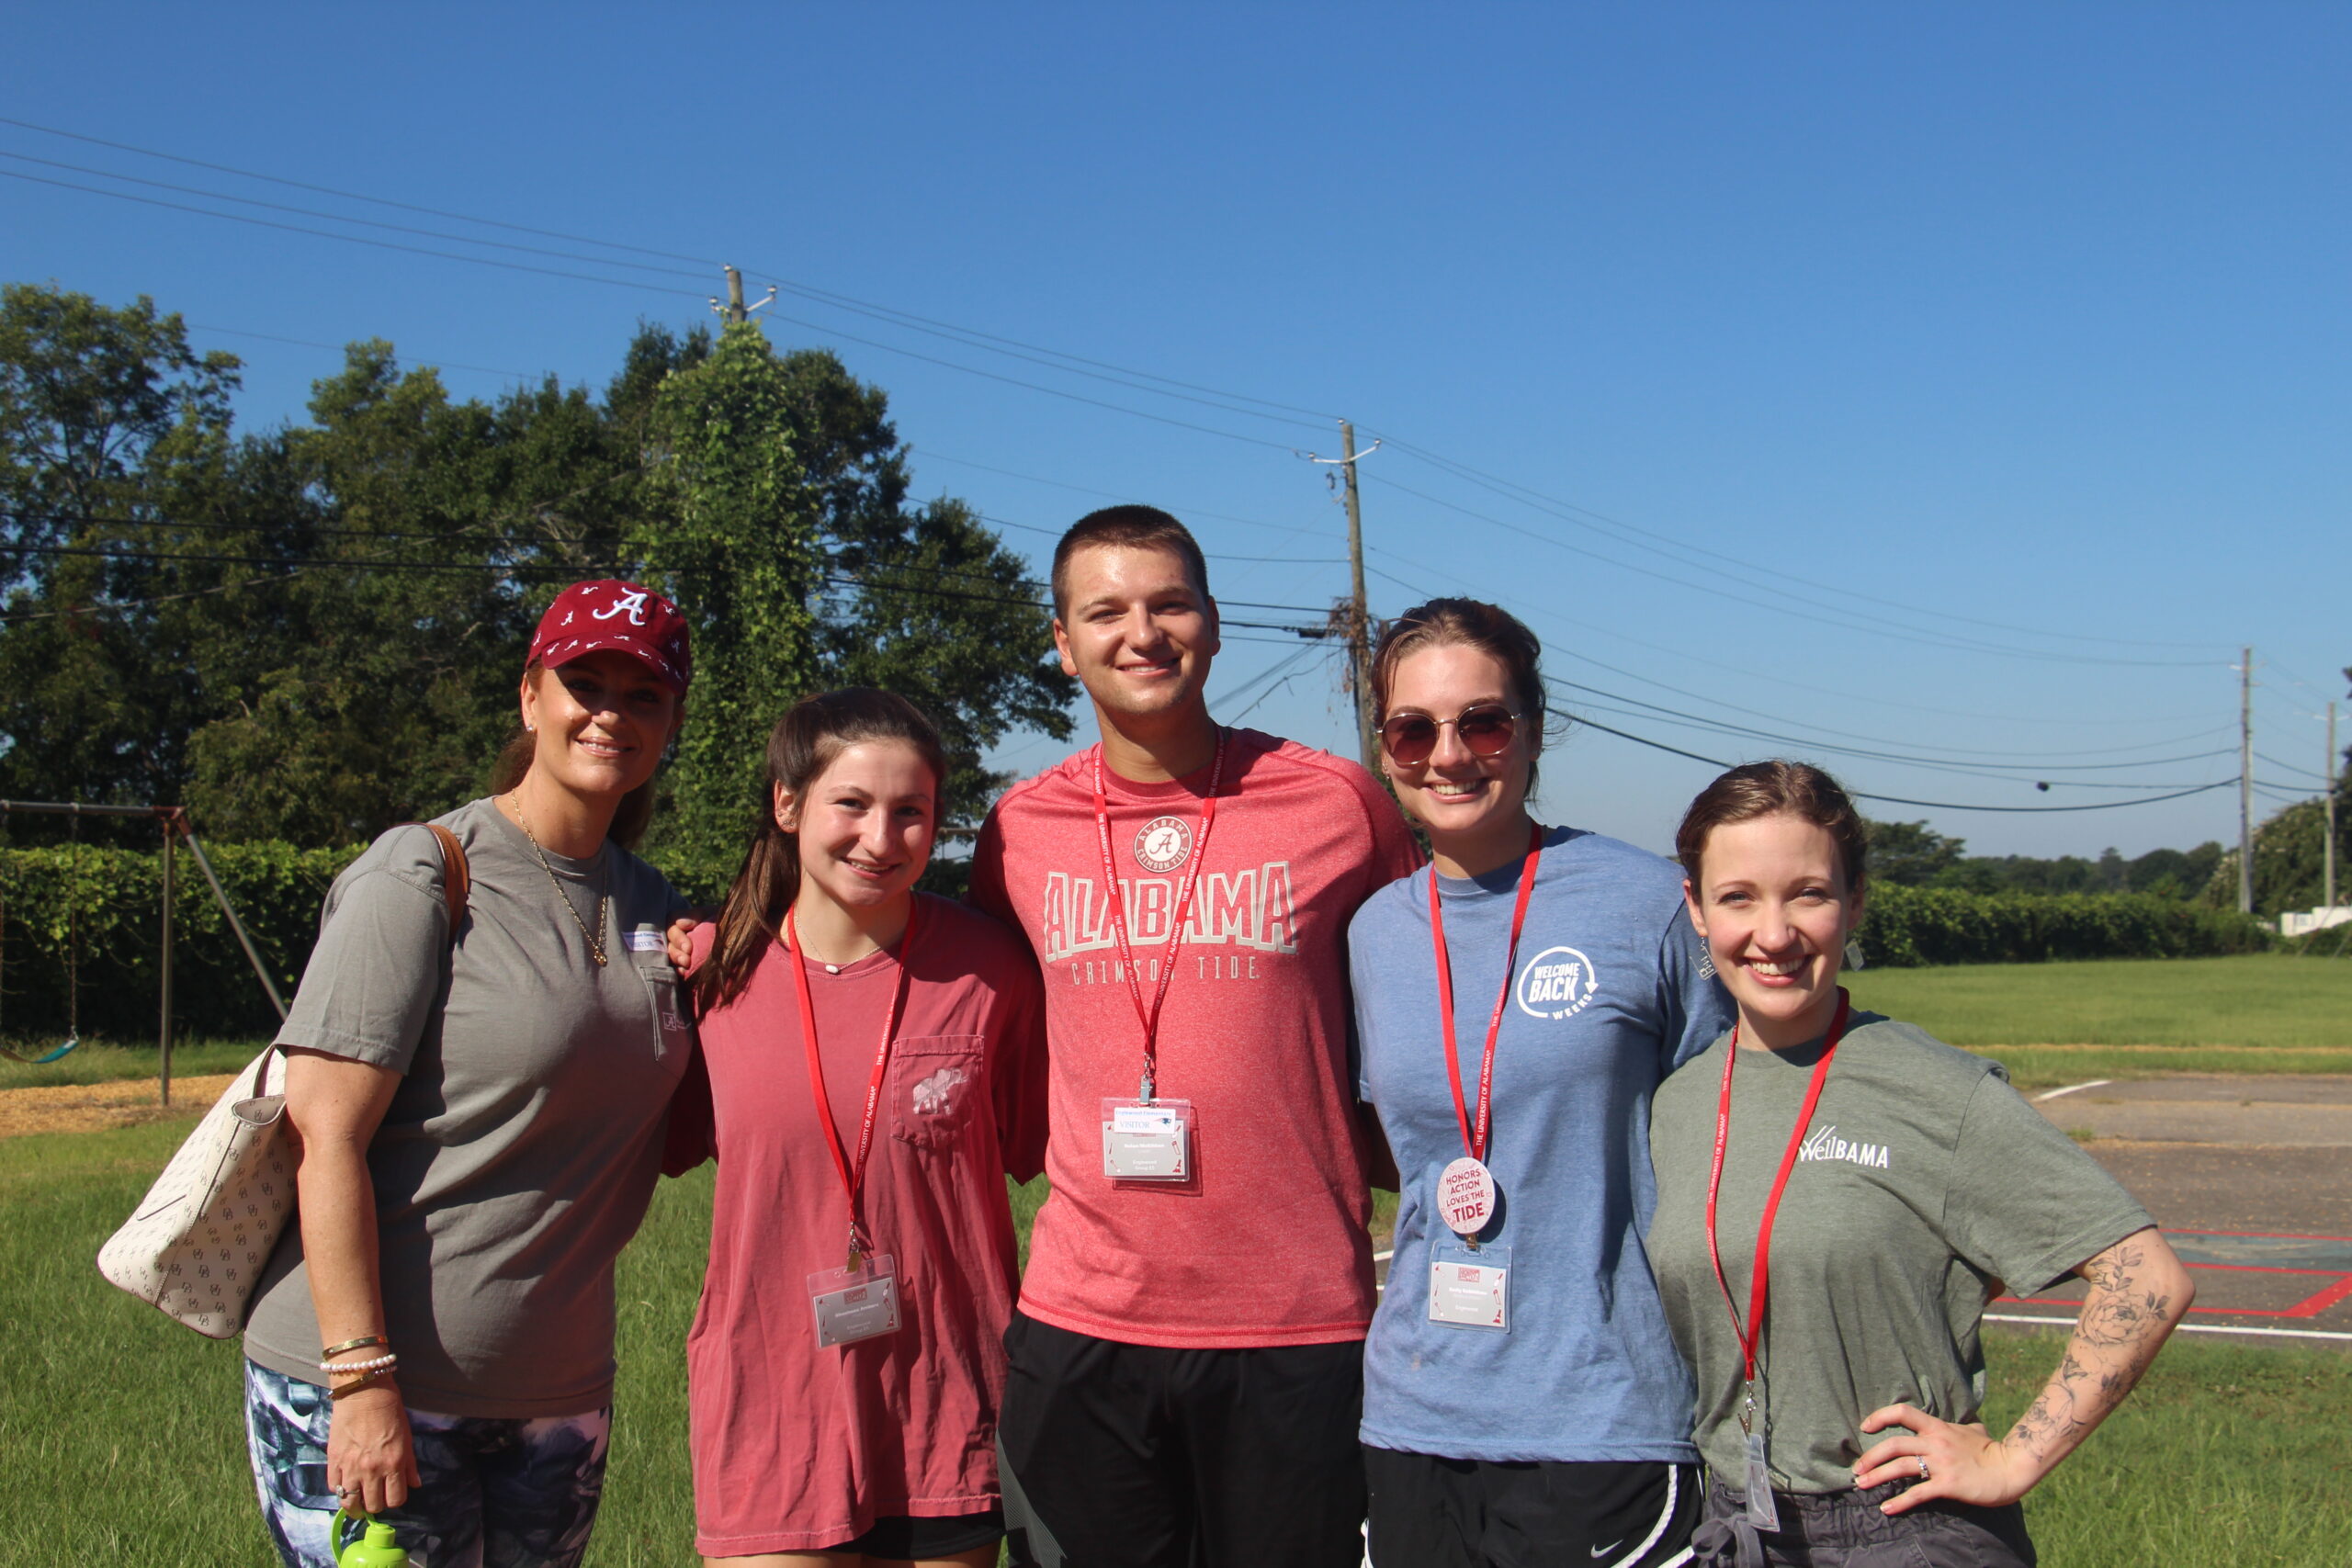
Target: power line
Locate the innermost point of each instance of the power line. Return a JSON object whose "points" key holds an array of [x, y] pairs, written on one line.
{"points": [[890, 314], [1627, 533], [1972, 770], [1057, 360], [1927, 804], [344, 347], [867, 585], [1546, 613], [352, 239], [330, 190], [1816, 617], [2292, 768], [699, 272]]}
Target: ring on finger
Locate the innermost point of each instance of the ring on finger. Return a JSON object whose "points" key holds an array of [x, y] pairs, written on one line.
{"points": [[1923, 1465]]}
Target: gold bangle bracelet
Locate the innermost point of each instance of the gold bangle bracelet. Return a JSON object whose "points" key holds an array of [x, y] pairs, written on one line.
{"points": [[363, 1342], [366, 1379]]}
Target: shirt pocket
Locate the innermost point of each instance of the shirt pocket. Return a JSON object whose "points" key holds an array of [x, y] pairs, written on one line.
{"points": [[673, 1026], [935, 1081]]}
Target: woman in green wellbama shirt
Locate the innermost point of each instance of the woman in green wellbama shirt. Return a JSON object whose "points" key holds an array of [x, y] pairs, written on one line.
{"points": [[1891, 1185]]}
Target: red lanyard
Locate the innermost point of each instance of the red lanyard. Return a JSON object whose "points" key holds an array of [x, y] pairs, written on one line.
{"points": [[1111, 892], [852, 1176], [1475, 1139], [1753, 1334]]}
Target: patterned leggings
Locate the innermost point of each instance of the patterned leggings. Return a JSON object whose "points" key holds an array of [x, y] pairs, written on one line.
{"points": [[498, 1493]]}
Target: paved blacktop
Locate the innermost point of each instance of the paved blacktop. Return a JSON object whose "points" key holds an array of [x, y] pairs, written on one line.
{"points": [[2251, 1178]]}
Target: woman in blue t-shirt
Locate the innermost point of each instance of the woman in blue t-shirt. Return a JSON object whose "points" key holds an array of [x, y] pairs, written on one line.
{"points": [[1516, 1005]]}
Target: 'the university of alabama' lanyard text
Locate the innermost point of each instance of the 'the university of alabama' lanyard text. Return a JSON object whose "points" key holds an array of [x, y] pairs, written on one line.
{"points": [[852, 1174], [1751, 1334], [1149, 1018], [1474, 1137]]}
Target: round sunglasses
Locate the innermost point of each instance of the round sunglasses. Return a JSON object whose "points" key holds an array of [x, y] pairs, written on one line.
{"points": [[1485, 729]]}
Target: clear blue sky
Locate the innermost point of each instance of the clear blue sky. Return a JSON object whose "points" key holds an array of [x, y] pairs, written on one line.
{"points": [[1954, 382]]}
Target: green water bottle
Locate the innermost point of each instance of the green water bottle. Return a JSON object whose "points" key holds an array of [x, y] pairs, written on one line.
{"points": [[369, 1544]]}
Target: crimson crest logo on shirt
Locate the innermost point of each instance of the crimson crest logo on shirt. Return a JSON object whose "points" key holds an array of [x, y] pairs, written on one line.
{"points": [[1163, 843]]}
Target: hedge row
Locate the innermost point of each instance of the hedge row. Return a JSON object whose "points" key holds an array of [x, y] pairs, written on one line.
{"points": [[90, 915], [90, 918], [1908, 927]]}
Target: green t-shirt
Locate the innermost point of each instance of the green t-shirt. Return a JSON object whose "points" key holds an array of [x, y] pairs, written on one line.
{"points": [[1923, 1185]]}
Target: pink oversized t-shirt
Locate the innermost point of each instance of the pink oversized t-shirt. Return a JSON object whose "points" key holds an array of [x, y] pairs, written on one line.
{"points": [[797, 1448], [1266, 1243]]}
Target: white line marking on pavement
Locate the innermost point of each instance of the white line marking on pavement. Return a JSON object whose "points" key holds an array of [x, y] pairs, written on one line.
{"points": [[2095, 1083], [2188, 1327]]}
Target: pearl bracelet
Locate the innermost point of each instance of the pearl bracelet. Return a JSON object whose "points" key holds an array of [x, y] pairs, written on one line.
{"points": [[376, 1364]]}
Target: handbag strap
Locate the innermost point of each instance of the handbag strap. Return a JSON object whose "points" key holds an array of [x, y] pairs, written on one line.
{"points": [[457, 888], [457, 880]]}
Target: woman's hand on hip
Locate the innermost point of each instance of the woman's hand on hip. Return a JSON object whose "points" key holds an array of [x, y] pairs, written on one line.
{"points": [[1962, 1461], [371, 1460]]}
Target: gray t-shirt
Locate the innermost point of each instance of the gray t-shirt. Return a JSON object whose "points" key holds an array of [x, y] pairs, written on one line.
{"points": [[521, 1147], [1924, 1183]]}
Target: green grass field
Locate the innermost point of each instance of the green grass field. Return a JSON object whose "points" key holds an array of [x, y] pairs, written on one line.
{"points": [[2053, 1024], [2049, 1023], [120, 1441], [103, 1063]]}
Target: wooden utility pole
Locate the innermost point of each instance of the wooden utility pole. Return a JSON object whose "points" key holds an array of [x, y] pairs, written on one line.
{"points": [[2246, 783], [735, 311], [164, 1028], [1360, 619], [2335, 768]]}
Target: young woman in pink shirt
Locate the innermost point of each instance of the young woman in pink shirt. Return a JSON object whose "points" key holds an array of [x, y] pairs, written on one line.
{"points": [[867, 1056]]}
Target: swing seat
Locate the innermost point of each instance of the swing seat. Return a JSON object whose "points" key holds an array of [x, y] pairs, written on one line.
{"points": [[45, 1059]]}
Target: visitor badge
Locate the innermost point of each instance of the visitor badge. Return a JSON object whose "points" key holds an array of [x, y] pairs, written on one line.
{"points": [[1147, 1140], [1763, 1512], [1466, 1196], [1470, 1286], [857, 1302]]}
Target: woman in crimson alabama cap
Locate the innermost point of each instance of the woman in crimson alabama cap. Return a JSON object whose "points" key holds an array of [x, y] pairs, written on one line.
{"points": [[479, 1113]]}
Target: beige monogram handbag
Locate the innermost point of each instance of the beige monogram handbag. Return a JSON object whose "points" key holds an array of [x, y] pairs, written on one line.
{"points": [[195, 1246]]}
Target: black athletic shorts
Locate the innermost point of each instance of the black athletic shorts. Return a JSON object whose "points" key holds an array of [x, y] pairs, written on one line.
{"points": [[899, 1537], [1139, 1456], [1428, 1512]]}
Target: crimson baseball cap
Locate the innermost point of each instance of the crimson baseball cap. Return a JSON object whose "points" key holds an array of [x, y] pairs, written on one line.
{"points": [[589, 617]]}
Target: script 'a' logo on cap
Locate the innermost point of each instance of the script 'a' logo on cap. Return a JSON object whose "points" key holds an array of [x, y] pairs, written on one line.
{"points": [[1163, 843], [630, 603]]}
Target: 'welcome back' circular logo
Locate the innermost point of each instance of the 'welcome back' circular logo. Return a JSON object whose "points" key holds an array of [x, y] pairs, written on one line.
{"points": [[1557, 983]]}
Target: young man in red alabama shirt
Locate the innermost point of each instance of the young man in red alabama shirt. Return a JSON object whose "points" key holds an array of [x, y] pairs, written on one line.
{"points": [[1185, 1378]]}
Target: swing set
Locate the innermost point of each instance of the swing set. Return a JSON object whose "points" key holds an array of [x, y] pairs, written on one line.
{"points": [[174, 823]]}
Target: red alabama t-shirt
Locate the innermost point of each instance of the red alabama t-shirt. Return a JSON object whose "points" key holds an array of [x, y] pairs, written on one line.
{"points": [[1265, 1244]]}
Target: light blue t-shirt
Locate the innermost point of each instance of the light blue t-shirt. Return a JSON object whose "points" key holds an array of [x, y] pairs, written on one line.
{"points": [[1613, 991]]}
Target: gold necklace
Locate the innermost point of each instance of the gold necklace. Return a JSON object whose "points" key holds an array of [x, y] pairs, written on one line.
{"points": [[596, 937]]}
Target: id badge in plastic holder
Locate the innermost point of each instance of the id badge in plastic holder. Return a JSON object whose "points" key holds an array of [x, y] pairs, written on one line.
{"points": [[1762, 1511], [1148, 1142], [1470, 1287], [860, 1301]]}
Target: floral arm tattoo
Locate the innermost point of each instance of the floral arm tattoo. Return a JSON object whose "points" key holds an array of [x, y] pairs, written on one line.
{"points": [[2138, 1291]]}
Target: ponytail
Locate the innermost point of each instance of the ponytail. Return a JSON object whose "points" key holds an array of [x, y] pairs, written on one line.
{"points": [[803, 745]]}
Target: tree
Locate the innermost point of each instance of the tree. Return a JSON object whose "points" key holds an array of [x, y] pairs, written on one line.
{"points": [[1910, 852], [107, 416], [2289, 867], [792, 459], [734, 543], [315, 631]]}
